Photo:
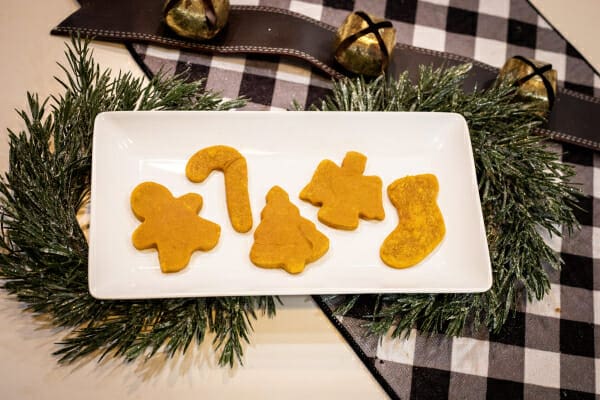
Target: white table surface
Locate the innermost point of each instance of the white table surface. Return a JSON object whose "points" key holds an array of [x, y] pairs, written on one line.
{"points": [[295, 355]]}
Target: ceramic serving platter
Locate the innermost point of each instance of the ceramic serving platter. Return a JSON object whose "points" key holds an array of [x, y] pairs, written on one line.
{"points": [[282, 148]]}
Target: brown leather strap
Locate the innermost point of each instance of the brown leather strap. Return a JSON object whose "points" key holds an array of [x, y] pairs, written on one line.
{"points": [[249, 29], [575, 118]]}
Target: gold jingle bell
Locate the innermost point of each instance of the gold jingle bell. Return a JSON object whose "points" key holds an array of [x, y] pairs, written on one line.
{"points": [[363, 44], [196, 19], [536, 80]]}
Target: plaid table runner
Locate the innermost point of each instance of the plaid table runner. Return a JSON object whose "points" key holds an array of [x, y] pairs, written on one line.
{"points": [[549, 349]]}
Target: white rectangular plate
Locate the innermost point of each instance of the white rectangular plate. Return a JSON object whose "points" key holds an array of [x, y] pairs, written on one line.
{"points": [[282, 148]]}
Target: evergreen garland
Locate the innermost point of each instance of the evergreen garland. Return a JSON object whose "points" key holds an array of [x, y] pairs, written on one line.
{"points": [[523, 186], [44, 258]]}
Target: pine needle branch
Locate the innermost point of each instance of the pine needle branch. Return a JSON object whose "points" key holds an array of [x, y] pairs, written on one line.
{"points": [[44, 252], [523, 186]]}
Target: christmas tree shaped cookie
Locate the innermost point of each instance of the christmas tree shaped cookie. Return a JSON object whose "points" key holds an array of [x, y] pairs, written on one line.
{"points": [[420, 227], [171, 225], [344, 193], [284, 239]]}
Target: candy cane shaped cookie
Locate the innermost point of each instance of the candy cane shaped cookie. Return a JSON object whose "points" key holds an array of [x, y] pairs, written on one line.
{"points": [[233, 165]]}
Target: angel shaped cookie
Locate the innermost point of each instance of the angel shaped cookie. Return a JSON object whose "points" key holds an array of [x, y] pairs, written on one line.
{"points": [[344, 193], [171, 225]]}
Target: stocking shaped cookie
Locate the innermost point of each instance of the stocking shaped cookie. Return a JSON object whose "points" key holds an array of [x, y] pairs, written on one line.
{"points": [[171, 225], [344, 193], [421, 225], [284, 239]]}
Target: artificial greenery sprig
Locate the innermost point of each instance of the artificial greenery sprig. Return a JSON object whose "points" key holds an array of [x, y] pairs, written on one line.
{"points": [[523, 186], [44, 258]]}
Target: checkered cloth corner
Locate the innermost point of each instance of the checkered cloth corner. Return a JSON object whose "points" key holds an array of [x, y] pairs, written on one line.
{"points": [[549, 349]]}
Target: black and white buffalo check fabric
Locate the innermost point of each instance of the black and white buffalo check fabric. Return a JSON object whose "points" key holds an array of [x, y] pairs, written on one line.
{"points": [[549, 349]]}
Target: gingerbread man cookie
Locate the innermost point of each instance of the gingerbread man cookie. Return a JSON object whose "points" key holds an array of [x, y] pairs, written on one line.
{"points": [[171, 225], [420, 227]]}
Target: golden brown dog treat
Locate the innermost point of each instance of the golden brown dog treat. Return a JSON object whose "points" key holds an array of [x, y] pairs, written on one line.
{"points": [[171, 225], [345, 194], [284, 239], [421, 225], [233, 165]]}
